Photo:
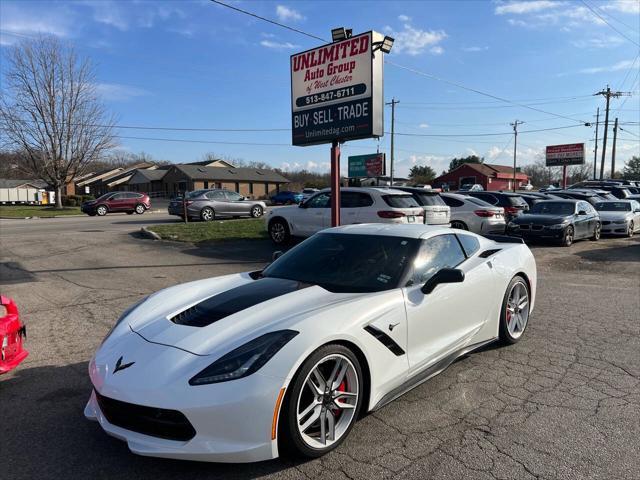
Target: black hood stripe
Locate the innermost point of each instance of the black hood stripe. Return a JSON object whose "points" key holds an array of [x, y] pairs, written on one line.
{"points": [[235, 300]]}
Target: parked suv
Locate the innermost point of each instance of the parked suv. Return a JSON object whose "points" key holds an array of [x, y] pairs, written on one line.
{"points": [[475, 215], [436, 212], [129, 202], [206, 205], [286, 198], [357, 205], [512, 203]]}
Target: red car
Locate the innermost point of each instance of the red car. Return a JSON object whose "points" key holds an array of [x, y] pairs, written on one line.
{"points": [[12, 335], [129, 202]]}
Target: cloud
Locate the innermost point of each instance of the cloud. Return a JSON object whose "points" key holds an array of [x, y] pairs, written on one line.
{"points": [[606, 41], [404, 18], [18, 24], [117, 92], [622, 6], [278, 45], [319, 167], [134, 14], [622, 65], [288, 14], [423, 125], [475, 49], [414, 41], [519, 8]]}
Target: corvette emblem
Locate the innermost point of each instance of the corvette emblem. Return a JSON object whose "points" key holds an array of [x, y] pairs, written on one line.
{"points": [[121, 366]]}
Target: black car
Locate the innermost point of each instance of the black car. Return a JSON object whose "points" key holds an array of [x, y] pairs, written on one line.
{"points": [[587, 196], [534, 197], [513, 203], [563, 221]]}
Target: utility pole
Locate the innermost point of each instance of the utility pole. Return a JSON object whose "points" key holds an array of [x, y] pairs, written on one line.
{"points": [[595, 151], [613, 150], [393, 103], [607, 94], [515, 149]]}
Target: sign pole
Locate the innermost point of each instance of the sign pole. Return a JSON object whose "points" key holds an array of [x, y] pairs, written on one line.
{"points": [[335, 183]]}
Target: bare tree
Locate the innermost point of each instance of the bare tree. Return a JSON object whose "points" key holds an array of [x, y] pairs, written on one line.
{"points": [[51, 113]]}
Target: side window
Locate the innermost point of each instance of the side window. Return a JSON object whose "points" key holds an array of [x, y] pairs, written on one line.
{"points": [[216, 195], [232, 196], [470, 244], [118, 196], [452, 202], [489, 198], [583, 206], [355, 200], [443, 251], [319, 201]]}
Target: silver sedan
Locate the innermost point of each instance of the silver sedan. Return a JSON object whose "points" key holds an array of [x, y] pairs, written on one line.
{"points": [[206, 205], [621, 217]]}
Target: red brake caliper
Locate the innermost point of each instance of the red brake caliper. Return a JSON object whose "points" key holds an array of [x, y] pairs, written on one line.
{"points": [[341, 388]]}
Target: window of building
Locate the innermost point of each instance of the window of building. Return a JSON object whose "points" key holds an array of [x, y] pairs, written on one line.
{"points": [[237, 187], [251, 187], [206, 184]]}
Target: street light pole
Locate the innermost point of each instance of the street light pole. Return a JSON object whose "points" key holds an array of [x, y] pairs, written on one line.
{"points": [[515, 149], [393, 124]]}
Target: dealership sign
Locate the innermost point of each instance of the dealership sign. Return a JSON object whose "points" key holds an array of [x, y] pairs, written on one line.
{"points": [[336, 91], [561, 155], [363, 166]]}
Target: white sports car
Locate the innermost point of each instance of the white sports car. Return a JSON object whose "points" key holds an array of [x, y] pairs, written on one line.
{"points": [[249, 366]]}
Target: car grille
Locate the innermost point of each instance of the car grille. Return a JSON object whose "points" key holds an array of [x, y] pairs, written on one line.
{"points": [[537, 227], [606, 222], [156, 422], [524, 227]]}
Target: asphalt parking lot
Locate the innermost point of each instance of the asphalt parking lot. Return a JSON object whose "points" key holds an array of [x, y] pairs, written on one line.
{"points": [[563, 403]]}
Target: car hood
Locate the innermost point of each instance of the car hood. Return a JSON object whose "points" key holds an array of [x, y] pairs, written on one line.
{"points": [[538, 219], [89, 202], [201, 317]]}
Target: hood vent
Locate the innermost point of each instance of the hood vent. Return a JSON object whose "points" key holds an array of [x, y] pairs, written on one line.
{"points": [[235, 300]]}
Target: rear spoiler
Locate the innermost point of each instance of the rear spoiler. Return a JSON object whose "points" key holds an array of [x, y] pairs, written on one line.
{"points": [[504, 239]]}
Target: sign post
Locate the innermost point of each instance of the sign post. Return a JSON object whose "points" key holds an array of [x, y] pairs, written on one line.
{"points": [[336, 96], [563, 155]]}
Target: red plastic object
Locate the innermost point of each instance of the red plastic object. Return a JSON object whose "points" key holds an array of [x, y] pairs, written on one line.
{"points": [[12, 335]]}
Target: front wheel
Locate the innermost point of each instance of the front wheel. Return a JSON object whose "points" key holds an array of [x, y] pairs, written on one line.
{"points": [[101, 211], [140, 209], [322, 403], [514, 315], [567, 237], [207, 214], [256, 211], [630, 229], [596, 232], [279, 232]]}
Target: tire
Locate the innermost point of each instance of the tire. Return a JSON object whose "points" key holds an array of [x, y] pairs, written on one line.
{"points": [[597, 231], [140, 209], [306, 440], [512, 322], [630, 229], [91, 214], [279, 231], [256, 211], [567, 236], [101, 210], [459, 225], [207, 214]]}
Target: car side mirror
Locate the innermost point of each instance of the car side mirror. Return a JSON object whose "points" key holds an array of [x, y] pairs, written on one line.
{"points": [[582, 212], [444, 275], [276, 255]]}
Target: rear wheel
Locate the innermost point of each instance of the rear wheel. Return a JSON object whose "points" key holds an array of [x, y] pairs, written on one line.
{"points": [[515, 310], [567, 237], [140, 209], [596, 232], [101, 210], [322, 403], [207, 214], [256, 211], [459, 225], [630, 229], [279, 231]]}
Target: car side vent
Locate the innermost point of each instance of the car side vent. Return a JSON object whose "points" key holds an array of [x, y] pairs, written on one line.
{"points": [[385, 339], [488, 253]]}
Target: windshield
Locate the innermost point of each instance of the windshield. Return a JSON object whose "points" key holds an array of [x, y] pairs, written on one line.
{"points": [[105, 196], [400, 201], [613, 207], [427, 199], [347, 262], [553, 208]]}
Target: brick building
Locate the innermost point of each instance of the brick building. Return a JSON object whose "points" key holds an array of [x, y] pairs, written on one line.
{"points": [[491, 177]]}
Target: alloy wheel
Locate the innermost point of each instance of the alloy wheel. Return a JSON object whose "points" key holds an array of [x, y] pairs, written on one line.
{"points": [[139, 209], [277, 231], [207, 214], [327, 401], [568, 236], [256, 212], [631, 229], [101, 210], [517, 310]]}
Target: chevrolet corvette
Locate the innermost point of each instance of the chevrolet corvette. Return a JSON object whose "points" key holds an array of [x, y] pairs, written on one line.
{"points": [[283, 361]]}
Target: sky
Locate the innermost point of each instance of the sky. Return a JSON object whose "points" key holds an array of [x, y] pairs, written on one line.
{"points": [[196, 64]]}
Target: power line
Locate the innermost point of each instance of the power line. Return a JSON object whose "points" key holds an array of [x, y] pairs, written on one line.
{"points": [[605, 21], [616, 19], [180, 140], [268, 20]]}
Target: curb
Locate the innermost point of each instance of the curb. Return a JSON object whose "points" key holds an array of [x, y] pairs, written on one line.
{"points": [[150, 234]]}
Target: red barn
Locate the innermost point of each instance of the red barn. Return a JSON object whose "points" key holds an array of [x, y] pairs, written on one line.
{"points": [[491, 177]]}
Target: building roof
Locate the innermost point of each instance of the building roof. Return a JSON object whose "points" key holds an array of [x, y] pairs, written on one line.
{"points": [[489, 170], [211, 163], [147, 175], [111, 177], [17, 183], [196, 172]]}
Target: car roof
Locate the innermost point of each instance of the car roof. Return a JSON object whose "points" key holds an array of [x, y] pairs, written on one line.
{"points": [[417, 190], [389, 190], [562, 200], [418, 230]]}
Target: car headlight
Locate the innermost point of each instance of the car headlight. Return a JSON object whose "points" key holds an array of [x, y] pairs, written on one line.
{"points": [[124, 315], [557, 226], [244, 360]]}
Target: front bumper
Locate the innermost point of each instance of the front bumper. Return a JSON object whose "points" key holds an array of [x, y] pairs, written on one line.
{"points": [[541, 234], [232, 420], [610, 228]]}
